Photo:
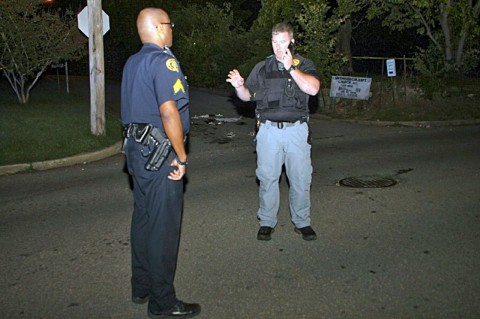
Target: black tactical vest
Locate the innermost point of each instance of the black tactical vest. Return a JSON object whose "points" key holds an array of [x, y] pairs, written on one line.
{"points": [[279, 98]]}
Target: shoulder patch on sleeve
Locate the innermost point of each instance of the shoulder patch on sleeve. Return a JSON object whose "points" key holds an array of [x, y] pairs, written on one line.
{"points": [[178, 86], [172, 65]]}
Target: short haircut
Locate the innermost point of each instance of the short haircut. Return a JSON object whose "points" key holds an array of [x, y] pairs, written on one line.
{"points": [[283, 27]]}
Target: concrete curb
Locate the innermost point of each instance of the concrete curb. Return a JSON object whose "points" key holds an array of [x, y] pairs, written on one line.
{"points": [[425, 124], [67, 161]]}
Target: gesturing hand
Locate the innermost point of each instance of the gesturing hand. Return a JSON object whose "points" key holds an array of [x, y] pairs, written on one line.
{"points": [[235, 79]]}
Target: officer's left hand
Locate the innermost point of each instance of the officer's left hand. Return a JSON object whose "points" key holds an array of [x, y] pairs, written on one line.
{"points": [[178, 173]]}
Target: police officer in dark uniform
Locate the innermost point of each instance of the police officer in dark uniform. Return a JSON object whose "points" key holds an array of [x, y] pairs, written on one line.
{"points": [[156, 119], [281, 86]]}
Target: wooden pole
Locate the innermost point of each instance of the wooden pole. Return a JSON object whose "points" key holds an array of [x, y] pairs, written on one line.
{"points": [[405, 76], [393, 90], [66, 77], [381, 82], [58, 75], [97, 75]]}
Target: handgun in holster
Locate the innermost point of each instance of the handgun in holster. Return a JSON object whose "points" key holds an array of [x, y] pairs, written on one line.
{"points": [[161, 150]]}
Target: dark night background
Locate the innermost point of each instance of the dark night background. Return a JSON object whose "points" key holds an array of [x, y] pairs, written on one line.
{"points": [[369, 38]]}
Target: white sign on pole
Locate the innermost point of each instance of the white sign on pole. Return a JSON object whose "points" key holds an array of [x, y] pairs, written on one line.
{"points": [[82, 18], [347, 87], [391, 70]]}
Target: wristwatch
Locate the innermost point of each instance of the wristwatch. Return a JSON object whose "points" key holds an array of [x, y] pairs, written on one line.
{"points": [[179, 162], [292, 67]]}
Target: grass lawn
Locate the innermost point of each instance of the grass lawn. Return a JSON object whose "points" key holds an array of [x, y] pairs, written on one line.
{"points": [[52, 125]]}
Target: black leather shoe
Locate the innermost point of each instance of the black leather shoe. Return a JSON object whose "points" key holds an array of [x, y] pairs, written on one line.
{"points": [[180, 310], [307, 233], [265, 233], [140, 300]]}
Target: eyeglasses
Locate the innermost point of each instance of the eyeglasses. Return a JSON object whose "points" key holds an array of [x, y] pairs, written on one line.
{"points": [[170, 23]]}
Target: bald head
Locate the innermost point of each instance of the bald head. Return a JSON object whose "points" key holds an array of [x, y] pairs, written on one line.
{"points": [[149, 21]]}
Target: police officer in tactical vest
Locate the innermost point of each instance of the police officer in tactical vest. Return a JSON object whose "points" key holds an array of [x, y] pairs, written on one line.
{"points": [[281, 85]]}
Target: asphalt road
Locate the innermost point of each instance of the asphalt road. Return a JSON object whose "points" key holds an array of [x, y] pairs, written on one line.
{"points": [[406, 251]]}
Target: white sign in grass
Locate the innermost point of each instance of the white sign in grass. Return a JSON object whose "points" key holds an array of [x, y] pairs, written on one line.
{"points": [[348, 87]]}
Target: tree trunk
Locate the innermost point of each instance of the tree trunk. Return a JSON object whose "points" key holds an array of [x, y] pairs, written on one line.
{"points": [[446, 33], [18, 86], [344, 44]]}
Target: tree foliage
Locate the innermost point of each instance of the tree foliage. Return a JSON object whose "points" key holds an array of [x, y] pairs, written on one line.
{"points": [[451, 25], [207, 42], [32, 38], [271, 13], [320, 26], [122, 40], [316, 25], [206, 36]]}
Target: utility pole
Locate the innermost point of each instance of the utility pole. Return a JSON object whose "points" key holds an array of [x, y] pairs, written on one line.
{"points": [[97, 70]]}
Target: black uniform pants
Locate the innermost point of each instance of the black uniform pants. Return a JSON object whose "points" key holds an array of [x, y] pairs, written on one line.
{"points": [[155, 229]]}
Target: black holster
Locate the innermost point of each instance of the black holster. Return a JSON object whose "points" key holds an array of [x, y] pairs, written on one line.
{"points": [[161, 149], [158, 155]]}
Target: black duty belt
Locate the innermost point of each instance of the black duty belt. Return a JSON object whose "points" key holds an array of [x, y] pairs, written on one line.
{"points": [[283, 124], [134, 129], [143, 132], [139, 131]]}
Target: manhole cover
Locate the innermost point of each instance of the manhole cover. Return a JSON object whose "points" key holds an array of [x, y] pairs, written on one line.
{"points": [[368, 181]]}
